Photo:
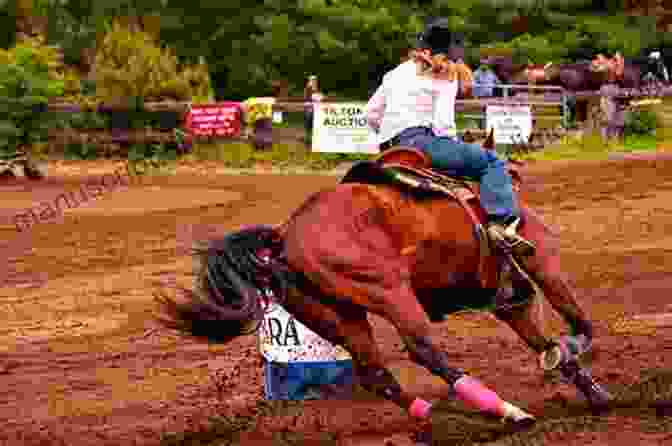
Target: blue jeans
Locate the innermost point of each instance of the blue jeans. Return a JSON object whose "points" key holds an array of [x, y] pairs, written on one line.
{"points": [[303, 380], [454, 157]]}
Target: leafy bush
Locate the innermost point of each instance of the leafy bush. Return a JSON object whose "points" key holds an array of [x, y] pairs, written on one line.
{"points": [[145, 158], [80, 151], [27, 81], [131, 64], [641, 122]]}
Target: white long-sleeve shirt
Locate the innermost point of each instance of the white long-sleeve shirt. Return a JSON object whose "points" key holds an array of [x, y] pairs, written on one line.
{"points": [[406, 99]]}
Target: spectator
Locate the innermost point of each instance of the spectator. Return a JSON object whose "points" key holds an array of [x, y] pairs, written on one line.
{"points": [[311, 95], [258, 115], [613, 112], [485, 81]]}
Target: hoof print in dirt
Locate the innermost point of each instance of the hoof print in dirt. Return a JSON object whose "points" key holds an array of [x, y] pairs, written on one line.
{"points": [[453, 424]]}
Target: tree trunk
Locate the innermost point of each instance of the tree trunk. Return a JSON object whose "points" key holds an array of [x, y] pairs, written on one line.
{"points": [[27, 23]]}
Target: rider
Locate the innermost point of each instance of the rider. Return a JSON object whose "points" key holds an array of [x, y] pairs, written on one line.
{"points": [[415, 106]]}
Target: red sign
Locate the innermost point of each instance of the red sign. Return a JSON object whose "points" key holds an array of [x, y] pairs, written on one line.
{"points": [[220, 119]]}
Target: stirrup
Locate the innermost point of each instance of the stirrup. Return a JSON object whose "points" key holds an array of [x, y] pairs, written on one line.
{"points": [[509, 236]]}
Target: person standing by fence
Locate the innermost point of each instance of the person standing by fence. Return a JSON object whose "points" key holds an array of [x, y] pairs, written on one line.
{"points": [[485, 81], [311, 96], [613, 112]]}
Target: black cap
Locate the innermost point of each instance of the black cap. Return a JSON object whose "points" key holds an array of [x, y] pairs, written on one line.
{"points": [[440, 39]]}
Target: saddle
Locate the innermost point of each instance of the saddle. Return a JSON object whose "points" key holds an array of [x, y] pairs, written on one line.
{"points": [[409, 168]]}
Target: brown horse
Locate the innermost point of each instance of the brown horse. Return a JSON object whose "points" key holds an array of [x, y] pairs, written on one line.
{"points": [[398, 249]]}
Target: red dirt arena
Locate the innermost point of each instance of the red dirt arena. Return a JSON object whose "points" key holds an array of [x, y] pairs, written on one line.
{"points": [[82, 362]]}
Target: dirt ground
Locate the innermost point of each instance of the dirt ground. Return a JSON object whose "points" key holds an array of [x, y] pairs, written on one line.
{"points": [[83, 363]]}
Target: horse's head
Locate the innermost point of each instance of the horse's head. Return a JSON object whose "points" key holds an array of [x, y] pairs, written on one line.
{"points": [[611, 69]]}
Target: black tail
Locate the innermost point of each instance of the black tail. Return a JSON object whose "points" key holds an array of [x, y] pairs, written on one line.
{"points": [[231, 277]]}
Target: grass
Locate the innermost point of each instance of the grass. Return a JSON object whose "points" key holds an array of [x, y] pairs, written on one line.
{"points": [[593, 147], [243, 155]]}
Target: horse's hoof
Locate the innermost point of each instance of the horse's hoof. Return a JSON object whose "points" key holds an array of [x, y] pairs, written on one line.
{"points": [[423, 438], [600, 401], [598, 397], [663, 408], [551, 359], [517, 416], [523, 423]]}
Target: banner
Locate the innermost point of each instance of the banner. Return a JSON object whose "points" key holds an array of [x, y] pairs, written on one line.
{"points": [[284, 339], [512, 123], [220, 119], [342, 128]]}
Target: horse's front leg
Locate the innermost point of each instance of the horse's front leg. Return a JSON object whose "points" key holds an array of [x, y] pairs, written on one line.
{"points": [[408, 316]]}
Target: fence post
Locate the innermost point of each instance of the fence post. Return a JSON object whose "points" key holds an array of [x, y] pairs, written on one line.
{"points": [[565, 110]]}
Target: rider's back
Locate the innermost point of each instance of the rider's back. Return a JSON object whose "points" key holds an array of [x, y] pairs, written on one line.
{"points": [[407, 99]]}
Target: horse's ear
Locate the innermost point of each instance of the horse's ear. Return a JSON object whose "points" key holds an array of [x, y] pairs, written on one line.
{"points": [[490, 140]]}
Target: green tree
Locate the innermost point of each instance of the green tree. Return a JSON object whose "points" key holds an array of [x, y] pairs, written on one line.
{"points": [[247, 44]]}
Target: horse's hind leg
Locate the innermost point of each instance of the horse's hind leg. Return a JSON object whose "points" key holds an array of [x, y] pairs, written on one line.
{"points": [[522, 320], [406, 313], [546, 270]]}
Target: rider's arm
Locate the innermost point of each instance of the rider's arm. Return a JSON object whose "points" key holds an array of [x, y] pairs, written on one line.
{"points": [[375, 108]]}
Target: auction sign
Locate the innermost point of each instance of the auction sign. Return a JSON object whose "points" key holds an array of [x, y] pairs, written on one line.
{"points": [[512, 124], [221, 119], [342, 128]]}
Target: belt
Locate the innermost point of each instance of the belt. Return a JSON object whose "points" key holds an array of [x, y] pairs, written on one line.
{"points": [[394, 141]]}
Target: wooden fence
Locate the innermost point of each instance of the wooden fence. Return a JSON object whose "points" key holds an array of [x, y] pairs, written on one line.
{"points": [[549, 110]]}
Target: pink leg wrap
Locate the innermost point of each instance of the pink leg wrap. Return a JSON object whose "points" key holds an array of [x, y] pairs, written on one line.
{"points": [[473, 392], [420, 408]]}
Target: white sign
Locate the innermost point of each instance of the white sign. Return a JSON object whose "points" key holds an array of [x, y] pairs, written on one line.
{"points": [[284, 339], [512, 124], [277, 117], [342, 128]]}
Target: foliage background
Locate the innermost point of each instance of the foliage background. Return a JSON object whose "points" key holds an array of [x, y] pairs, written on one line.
{"points": [[349, 44]]}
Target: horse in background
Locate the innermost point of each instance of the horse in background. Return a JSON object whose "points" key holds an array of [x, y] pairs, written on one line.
{"points": [[406, 243], [465, 77], [509, 72]]}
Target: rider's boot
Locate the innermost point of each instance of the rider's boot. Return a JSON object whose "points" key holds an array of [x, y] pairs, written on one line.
{"points": [[505, 230]]}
